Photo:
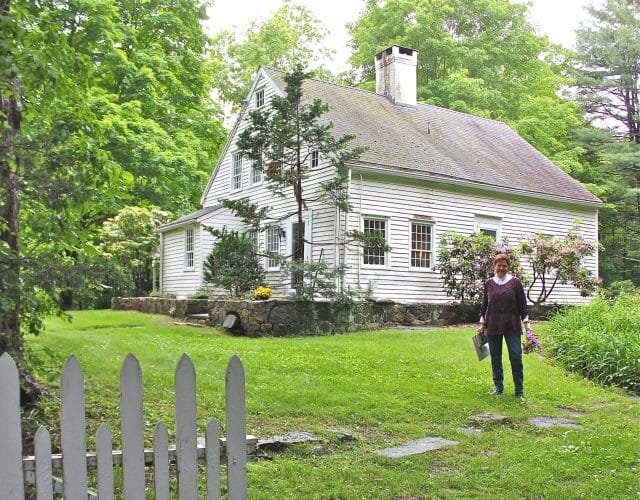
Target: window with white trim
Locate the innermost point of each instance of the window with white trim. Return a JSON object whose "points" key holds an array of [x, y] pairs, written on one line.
{"points": [[315, 158], [256, 170], [188, 248], [259, 98], [272, 244], [236, 172], [421, 245], [373, 255], [489, 225]]}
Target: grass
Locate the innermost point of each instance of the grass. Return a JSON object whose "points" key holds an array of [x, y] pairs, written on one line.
{"points": [[387, 388]]}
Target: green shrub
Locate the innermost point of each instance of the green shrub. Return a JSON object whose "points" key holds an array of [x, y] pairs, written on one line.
{"points": [[601, 340]]}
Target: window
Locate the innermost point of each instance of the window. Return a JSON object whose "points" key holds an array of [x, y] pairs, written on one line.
{"points": [[315, 159], [259, 98], [489, 225], [256, 171], [272, 244], [372, 255], [236, 172], [188, 248], [421, 245]]}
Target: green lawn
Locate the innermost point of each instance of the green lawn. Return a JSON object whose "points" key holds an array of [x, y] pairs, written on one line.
{"points": [[387, 388]]}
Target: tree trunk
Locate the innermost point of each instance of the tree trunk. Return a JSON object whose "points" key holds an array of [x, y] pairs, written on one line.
{"points": [[10, 338]]}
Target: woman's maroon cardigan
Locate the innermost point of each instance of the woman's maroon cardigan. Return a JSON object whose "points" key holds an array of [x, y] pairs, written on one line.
{"points": [[503, 307]]}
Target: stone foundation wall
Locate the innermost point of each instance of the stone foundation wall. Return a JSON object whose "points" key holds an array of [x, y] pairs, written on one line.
{"points": [[281, 317]]}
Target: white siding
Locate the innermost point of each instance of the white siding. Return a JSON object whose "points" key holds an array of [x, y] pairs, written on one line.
{"points": [[452, 210], [176, 278]]}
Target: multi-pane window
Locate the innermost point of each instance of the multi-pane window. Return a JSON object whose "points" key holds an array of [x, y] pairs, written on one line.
{"points": [[421, 245], [272, 244], [315, 159], [256, 171], [188, 248], [236, 171], [259, 98], [374, 254]]}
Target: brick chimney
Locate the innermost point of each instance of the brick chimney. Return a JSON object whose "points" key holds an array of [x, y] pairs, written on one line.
{"points": [[396, 74]]}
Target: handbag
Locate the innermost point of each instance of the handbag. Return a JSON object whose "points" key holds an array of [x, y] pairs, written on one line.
{"points": [[481, 345]]}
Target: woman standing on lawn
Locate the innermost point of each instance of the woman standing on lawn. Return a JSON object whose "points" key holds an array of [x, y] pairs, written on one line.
{"points": [[504, 307]]}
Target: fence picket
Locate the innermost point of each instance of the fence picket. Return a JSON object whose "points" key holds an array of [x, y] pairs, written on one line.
{"points": [[236, 430], [161, 461], [44, 476], [212, 458], [186, 439], [104, 459], [11, 482], [72, 431], [132, 428]]}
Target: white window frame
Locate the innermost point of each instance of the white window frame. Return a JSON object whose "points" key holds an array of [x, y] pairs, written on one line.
{"points": [[236, 171], [483, 223], [256, 180], [385, 255], [272, 243], [431, 244], [314, 160], [259, 98], [189, 248]]}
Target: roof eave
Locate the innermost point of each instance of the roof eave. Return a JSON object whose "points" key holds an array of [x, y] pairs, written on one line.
{"points": [[413, 174]]}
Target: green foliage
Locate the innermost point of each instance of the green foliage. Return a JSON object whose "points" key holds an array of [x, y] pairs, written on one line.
{"points": [[130, 242], [292, 35], [607, 71], [556, 260], [233, 263], [465, 263], [601, 341], [109, 106]]}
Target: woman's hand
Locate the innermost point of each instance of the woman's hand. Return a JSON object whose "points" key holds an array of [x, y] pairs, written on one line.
{"points": [[480, 330]]}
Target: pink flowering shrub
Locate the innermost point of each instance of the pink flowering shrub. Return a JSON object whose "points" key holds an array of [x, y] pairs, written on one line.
{"points": [[556, 260], [465, 263]]}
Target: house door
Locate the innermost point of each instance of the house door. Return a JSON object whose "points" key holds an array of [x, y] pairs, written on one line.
{"points": [[293, 246]]}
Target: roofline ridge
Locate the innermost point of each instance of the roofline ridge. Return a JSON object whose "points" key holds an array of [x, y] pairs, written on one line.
{"points": [[418, 104]]}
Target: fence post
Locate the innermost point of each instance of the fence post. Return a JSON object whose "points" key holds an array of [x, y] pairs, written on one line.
{"points": [[73, 430], [236, 430], [132, 428], [186, 438], [11, 478]]}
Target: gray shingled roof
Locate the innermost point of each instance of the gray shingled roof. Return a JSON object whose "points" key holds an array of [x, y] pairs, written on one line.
{"points": [[440, 143], [193, 216]]}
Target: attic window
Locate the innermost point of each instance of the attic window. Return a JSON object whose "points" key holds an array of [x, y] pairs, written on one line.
{"points": [[315, 159], [259, 98]]}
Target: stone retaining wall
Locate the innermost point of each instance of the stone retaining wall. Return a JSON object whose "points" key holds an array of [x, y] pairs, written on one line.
{"points": [[281, 317]]}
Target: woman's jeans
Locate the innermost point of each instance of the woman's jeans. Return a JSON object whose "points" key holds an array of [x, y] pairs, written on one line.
{"points": [[514, 345]]}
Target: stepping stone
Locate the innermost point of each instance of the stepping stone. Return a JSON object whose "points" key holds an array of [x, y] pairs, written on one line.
{"points": [[416, 447], [279, 442], [470, 431], [546, 422], [489, 418]]}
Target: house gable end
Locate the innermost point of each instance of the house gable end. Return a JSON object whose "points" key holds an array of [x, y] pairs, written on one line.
{"points": [[262, 81]]}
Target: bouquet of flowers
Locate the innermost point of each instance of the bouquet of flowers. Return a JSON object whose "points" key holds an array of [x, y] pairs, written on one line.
{"points": [[531, 342]]}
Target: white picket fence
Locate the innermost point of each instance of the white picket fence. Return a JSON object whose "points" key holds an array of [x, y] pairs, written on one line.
{"points": [[16, 470]]}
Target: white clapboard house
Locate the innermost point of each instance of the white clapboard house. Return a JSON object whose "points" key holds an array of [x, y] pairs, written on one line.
{"points": [[427, 170]]}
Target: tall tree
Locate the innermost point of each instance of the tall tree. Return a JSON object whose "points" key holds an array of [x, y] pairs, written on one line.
{"points": [[476, 56], [291, 35], [281, 141], [608, 86], [50, 162]]}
